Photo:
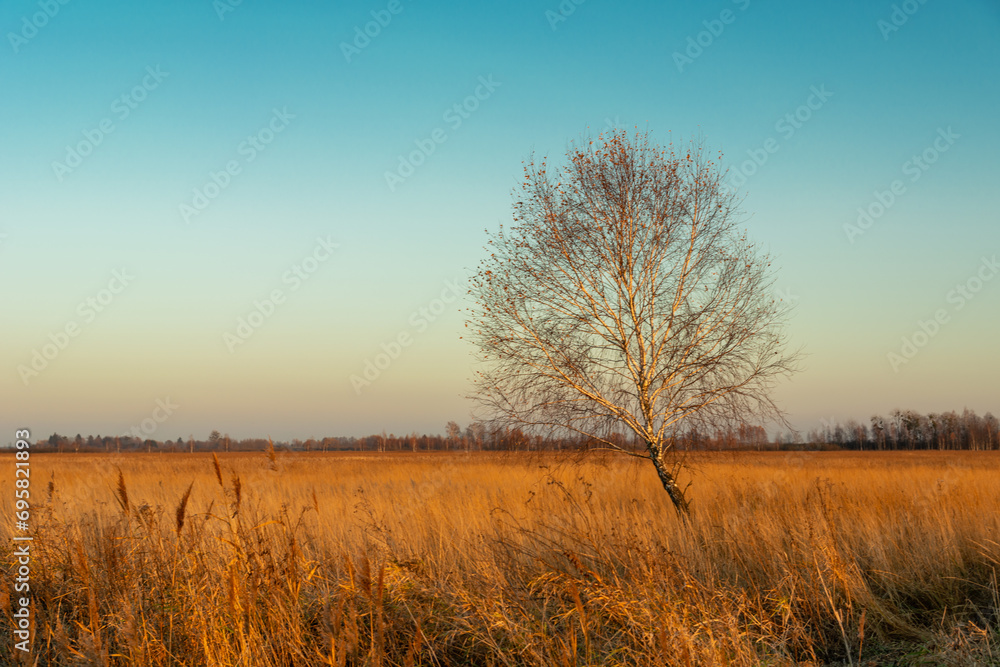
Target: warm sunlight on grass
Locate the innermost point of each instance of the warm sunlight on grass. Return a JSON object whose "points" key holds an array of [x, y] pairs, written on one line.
{"points": [[511, 559]]}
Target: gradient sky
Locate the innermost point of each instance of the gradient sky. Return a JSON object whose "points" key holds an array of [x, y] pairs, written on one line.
{"points": [[323, 176]]}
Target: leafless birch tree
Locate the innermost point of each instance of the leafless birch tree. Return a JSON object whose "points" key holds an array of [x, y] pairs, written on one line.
{"points": [[625, 300]]}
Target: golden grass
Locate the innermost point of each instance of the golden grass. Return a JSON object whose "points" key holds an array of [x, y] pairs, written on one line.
{"points": [[510, 559]]}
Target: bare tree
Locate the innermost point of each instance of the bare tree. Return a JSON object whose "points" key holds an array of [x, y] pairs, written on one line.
{"points": [[453, 432], [624, 299]]}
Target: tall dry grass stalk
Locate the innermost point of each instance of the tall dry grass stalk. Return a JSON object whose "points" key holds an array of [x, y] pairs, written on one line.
{"points": [[237, 493], [180, 512], [271, 454], [218, 469], [495, 559], [122, 492]]}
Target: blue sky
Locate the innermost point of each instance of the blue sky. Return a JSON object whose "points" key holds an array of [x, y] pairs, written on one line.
{"points": [[555, 72]]}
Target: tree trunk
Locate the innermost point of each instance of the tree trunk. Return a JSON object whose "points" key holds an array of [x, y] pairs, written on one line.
{"points": [[669, 482]]}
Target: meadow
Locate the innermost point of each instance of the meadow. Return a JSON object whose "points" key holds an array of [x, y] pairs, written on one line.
{"points": [[788, 558]]}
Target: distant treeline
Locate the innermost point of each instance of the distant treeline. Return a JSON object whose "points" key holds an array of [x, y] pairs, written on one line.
{"points": [[902, 429], [906, 429], [475, 437]]}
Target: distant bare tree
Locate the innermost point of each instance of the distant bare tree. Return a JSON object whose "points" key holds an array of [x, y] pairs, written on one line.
{"points": [[475, 433], [624, 300], [454, 434], [857, 434], [878, 431]]}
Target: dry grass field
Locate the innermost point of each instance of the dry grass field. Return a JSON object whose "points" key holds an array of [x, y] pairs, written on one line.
{"points": [[509, 559]]}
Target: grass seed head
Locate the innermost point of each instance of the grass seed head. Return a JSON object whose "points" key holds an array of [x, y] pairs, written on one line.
{"points": [[218, 468], [122, 492], [182, 508]]}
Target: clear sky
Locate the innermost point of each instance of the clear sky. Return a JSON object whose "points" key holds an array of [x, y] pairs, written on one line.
{"points": [[165, 165]]}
